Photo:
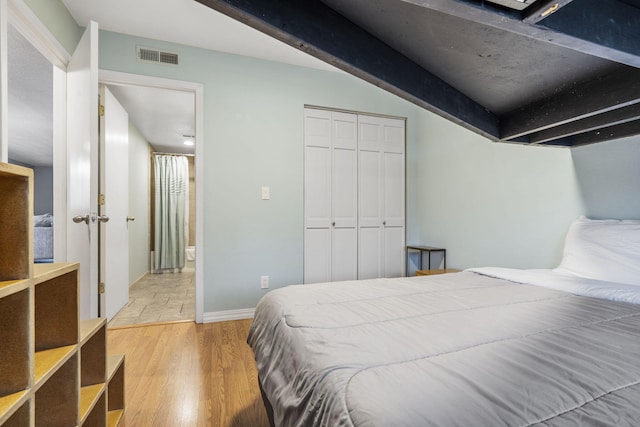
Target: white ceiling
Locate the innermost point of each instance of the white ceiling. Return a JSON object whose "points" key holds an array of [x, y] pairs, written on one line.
{"points": [[162, 116], [187, 22]]}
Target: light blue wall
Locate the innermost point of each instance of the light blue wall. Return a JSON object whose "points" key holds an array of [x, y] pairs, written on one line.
{"points": [[609, 178], [493, 204], [138, 204], [55, 16], [253, 134]]}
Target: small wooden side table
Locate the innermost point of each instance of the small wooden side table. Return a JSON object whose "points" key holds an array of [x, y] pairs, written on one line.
{"points": [[438, 271], [429, 250]]}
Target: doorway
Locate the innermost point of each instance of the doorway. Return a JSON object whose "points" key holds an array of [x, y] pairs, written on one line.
{"points": [[171, 296], [30, 132]]}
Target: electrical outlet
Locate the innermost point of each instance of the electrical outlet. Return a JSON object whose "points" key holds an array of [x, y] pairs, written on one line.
{"points": [[264, 282]]}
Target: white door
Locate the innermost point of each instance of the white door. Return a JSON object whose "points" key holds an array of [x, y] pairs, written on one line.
{"points": [[114, 185], [393, 135], [370, 202], [82, 161], [381, 192], [331, 244], [317, 196], [344, 196]]}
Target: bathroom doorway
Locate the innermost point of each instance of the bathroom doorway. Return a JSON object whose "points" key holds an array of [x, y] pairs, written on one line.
{"points": [[159, 295]]}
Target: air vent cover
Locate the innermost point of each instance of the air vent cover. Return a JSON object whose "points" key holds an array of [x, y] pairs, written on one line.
{"points": [[146, 54]]}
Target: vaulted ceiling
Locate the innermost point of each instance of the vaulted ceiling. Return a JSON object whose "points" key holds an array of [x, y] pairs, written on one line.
{"points": [[560, 72]]}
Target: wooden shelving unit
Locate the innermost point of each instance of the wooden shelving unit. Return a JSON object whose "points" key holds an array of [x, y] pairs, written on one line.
{"points": [[54, 370]]}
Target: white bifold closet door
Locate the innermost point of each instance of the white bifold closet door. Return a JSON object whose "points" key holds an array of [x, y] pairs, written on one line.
{"points": [[381, 191], [331, 161], [354, 196]]}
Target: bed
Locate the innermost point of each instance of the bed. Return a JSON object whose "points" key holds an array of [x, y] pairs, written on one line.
{"points": [[484, 347]]}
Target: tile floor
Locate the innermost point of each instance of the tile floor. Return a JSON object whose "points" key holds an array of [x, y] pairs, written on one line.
{"points": [[159, 298]]}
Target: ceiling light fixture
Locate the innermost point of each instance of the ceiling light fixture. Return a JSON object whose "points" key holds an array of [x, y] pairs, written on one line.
{"points": [[189, 139]]}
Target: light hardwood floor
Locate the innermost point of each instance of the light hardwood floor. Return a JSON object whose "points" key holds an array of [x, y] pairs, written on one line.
{"points": [[188, 374]]}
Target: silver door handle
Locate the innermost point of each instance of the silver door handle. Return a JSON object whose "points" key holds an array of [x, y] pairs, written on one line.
{"points": [[103, 218], [82, 218], [131, 218]]}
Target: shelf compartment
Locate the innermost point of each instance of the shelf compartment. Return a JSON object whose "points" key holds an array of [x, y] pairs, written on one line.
{"points": [[115, 388], [47, 362], [93, 359], [9, 287], [92, 405], [11, 411], [56, 401], [114, 417], [16, 226], [15, 365], [56, 309]]}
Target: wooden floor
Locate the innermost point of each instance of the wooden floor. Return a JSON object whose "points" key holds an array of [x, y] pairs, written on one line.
{"points": [[189, 374]]}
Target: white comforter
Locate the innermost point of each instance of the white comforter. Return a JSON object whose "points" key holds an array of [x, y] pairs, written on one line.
{"points": [[452, 350]]}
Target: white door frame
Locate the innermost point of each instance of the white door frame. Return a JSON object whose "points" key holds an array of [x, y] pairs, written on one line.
{"points": [[117, 78]]}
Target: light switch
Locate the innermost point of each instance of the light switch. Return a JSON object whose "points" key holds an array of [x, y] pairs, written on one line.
{"points": [[266, 195]]}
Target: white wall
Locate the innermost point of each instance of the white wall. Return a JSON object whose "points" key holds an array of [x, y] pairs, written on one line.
{"points": [[138, 204], [608, 175], [492, 204]]}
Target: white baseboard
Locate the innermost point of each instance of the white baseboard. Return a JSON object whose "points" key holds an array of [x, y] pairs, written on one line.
{"points": [[222, 316]]}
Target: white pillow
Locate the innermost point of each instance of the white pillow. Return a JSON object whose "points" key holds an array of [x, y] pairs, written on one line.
{"points": [[607, 250]]}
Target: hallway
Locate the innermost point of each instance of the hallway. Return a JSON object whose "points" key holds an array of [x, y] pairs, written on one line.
{"points": [[158, 298]]}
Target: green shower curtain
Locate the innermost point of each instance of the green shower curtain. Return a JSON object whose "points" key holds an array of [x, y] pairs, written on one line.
{"points": [[171, 191]]}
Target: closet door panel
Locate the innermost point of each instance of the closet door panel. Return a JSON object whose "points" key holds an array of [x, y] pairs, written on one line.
{"points": [[345, 131], [393, 135], [344, 170], [394, 197], [370, 136], [393, 251], [317, 255], [344, 254], [317, 187], [369, 252], [369, 189], [317, 127]]}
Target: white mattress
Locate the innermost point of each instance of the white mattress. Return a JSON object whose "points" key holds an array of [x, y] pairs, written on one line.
{"points": [[452, 350]]}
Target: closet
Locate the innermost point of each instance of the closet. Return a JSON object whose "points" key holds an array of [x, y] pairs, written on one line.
{"points": [[354, 189]]}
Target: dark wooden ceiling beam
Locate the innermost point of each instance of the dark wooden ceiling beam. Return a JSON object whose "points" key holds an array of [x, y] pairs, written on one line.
{"points": [[607, 134], [606, 93], [612, 24], [593, 123], [318, 30], [488, 16]]}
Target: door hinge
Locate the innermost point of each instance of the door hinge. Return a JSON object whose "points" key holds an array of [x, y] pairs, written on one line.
{"points": [[101, 288], [100, 199], [100, 110]]}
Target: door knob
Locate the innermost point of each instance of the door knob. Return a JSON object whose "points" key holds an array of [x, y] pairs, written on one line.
{"points": [[131, 218], [384, 222], [103, 218], [82, 218]]}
